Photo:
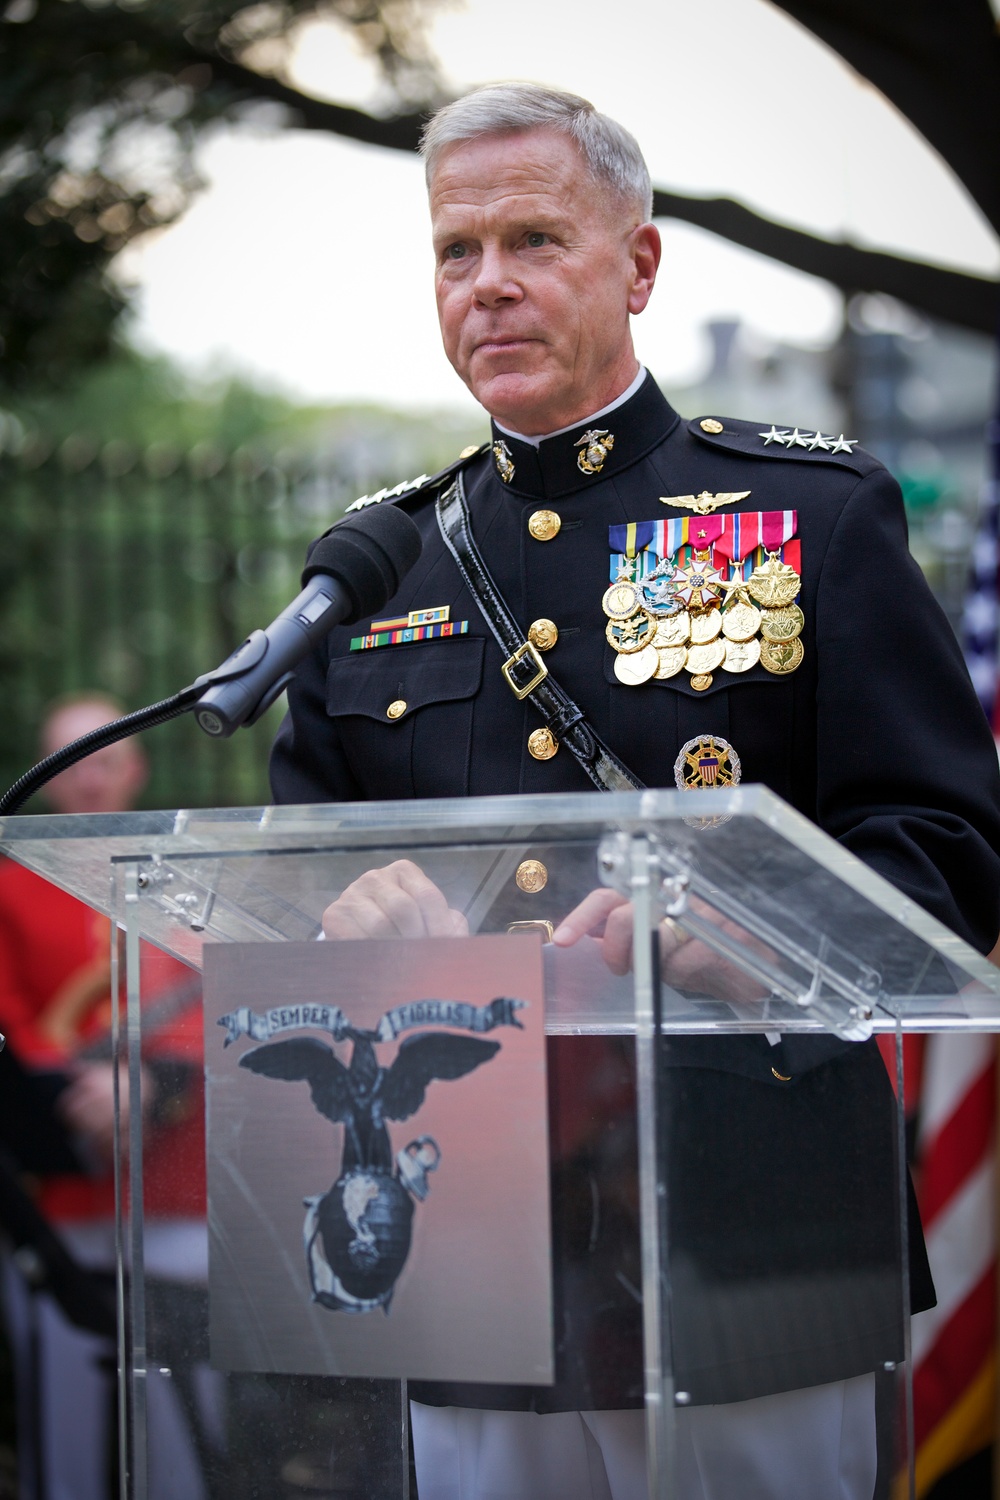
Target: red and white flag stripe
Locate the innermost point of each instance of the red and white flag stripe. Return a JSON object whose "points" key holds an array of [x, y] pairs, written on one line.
{"points": [[954, 1343]]}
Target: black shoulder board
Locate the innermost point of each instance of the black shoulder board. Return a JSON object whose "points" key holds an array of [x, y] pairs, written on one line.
{"points": [[764, 440], [424, 482]]}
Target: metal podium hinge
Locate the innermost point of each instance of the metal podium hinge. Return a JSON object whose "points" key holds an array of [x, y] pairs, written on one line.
{"points": [[156, 876], [668, 870], [192, 907]]}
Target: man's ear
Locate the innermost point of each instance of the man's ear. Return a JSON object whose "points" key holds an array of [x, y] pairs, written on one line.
{"points": [[645, 251]]}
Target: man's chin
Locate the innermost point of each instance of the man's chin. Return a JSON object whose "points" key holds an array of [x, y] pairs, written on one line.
{"points": [[516, 400]]}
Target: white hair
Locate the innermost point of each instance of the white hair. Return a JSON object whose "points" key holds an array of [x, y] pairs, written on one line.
{"points": [[610, 151]]}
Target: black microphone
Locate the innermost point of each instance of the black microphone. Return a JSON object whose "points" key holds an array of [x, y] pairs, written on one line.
{"points": [[352, 571]]}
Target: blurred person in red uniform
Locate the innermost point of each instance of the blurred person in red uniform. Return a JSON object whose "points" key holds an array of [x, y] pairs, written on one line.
{"points": [[55, 1009]]}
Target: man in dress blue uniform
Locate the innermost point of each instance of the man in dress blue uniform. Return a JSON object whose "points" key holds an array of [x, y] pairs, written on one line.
{"points": [[794, 632]]}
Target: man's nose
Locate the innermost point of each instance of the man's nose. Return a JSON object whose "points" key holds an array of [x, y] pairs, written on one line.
{"points": [[495, 281]]}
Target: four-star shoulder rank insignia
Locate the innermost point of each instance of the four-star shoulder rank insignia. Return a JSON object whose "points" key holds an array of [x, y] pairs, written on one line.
{"points": [[422, 482], [388, 494], [811, 441], [704, 504]]}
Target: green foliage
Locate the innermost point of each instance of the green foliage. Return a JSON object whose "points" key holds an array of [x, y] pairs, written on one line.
{"points": [[101, 106], [150, 525]]}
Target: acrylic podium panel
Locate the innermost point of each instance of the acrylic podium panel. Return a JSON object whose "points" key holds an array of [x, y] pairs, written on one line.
{"points": [[688, 1223]]}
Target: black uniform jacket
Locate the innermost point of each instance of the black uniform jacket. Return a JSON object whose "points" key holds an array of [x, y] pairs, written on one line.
{"points": [[877, 737]]}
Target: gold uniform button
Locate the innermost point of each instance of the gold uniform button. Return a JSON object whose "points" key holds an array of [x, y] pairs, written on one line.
{"points": [[782, 1077], [544, 525], [542, 744], [542, 634], [531, 876], [469, 451], [396, 709], [701, 681], [711, 424]]}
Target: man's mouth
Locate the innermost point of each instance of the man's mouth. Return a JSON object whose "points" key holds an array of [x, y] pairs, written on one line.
{"points": [[503, 345]]}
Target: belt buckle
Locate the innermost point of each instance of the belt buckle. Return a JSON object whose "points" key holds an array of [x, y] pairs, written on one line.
{"points": [[545, 928], [522, 651]]}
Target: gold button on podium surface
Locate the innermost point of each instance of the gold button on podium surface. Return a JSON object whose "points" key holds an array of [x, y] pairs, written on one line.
{"points": [[531, 876], [544, 525], [542, 744], [542, 634], [396, 709]]}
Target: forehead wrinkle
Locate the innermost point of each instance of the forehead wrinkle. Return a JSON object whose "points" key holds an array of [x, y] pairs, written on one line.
{"points": [[515, 213]]}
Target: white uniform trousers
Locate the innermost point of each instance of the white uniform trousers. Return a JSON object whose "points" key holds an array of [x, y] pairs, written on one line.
{"points": [[818, 1442]]}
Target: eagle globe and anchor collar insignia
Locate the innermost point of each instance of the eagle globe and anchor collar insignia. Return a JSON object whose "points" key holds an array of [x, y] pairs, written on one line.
{"points": [[596, 445], [504, 460]]}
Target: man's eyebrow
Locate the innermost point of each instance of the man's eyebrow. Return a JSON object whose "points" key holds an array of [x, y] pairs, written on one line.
{"points": [[546, 220]]}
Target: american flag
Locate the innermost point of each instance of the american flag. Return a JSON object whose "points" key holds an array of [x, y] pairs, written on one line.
{"points": [[954, 1349], [981, 616], [954, 1343]]}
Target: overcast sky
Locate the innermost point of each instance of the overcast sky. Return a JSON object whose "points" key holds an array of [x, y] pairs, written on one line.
{"points": [[306, 262]]}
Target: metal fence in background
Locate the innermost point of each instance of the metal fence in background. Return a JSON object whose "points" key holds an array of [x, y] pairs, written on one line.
{"points": [[134, 573]]}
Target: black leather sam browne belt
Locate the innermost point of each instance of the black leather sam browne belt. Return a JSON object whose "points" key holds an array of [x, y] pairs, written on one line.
{"points": [[524, 671]]}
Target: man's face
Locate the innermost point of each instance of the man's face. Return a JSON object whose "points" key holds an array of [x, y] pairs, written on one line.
{"points": [[107, 781], [538, 269]]}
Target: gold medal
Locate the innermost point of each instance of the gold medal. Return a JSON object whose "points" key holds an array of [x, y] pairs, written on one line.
{"points": [[740, 622], [782, 624], [675, 630], [702, 660], [632, 634], [621, 600], [671, 659], [782, 657], [741, 655], [774, 584], [638, 667], [705, 627]]}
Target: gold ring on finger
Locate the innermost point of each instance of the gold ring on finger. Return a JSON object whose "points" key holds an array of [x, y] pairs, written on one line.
{"points": [[679, 934]]}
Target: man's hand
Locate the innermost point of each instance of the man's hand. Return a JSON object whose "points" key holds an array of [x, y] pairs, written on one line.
{"points": [[87, 1107], [685, 962], [395, 902]]}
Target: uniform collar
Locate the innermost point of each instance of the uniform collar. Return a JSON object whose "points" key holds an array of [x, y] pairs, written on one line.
{"points": [[555, 467]]}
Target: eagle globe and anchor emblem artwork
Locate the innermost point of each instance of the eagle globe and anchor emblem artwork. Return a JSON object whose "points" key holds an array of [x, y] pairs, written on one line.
{"points": [[358, 1234]]}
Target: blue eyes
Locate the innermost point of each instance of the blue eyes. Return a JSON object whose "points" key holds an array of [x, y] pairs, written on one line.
{"points": [[455, 252], [536, 239]]}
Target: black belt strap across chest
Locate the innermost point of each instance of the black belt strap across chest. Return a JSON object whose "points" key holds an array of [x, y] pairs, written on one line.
{"points": [[524, 671]]}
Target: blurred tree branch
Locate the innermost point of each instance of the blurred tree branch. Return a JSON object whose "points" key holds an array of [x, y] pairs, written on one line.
{"points": [[102, 106]]}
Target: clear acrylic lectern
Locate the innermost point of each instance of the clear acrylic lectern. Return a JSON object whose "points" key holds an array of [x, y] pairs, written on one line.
{"points": [[732, 1222]]}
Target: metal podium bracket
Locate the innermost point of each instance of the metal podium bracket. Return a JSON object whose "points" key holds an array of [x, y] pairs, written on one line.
{"points": [[829, 985]]}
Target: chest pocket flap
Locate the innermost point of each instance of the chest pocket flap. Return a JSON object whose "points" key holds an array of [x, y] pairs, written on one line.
{"points": [[365, 683]]}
